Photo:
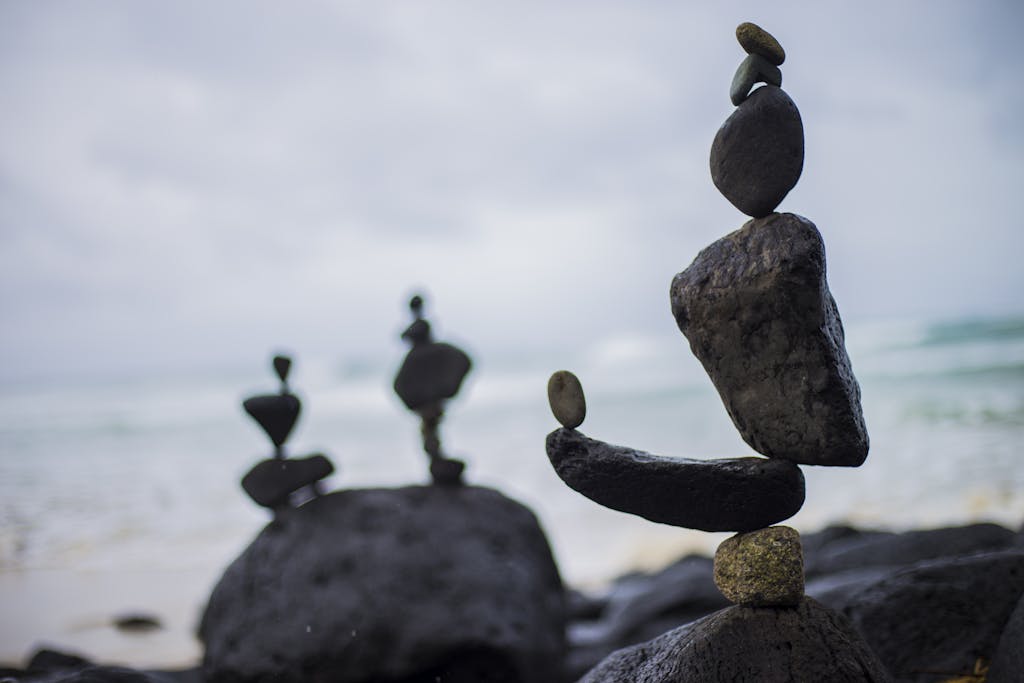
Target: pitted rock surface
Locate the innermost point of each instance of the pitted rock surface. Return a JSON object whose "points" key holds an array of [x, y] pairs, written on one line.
{"points": [[804, 644], [756, 308], [739, 494]]}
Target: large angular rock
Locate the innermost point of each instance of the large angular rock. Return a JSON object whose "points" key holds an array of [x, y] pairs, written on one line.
{"points": [[808, 643], [758, 153], [741, 494], [942, 615], [390, 585], [1008, 659], [756, 308], [431, 372]]}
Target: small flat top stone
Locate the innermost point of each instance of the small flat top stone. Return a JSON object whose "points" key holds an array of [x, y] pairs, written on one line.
{"points": [[756, 41]]}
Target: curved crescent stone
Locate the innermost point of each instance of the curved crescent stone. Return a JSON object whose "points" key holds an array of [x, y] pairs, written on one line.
{"points": [[739, 494]]}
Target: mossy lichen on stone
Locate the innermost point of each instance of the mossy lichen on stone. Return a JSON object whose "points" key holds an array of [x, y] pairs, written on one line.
{"points": [[763, 568]]}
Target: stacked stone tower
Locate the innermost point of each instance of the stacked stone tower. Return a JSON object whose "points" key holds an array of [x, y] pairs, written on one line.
{"points": [[279, 481], [756, 309], [430, 375]]}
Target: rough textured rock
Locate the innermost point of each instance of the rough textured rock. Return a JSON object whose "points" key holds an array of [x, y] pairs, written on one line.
{"points": [[643, 606], [753, 69], [387, 585], [808, 643], [740, 494], [566, 398], [758, 153], [876, 549], [276, 413], [756, 308], [941, 615], [762, 568], [270, 482], [756, 41], [1008, 660]]}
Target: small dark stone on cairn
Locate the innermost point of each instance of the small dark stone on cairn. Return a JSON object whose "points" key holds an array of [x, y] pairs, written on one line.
{"points": [[282, 366], [756, 41], [276, 413], [756, 308], [565, 396], [762, 568], [740, 494], [758, 153], [446, 471], [271, 482], [753, 69]]}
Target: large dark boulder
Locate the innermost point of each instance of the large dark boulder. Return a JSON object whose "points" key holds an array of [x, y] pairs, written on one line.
{"points": [[758, 153], [876, 549], [756, 308], [808, 643], [391, 585], [939, 616], [1008, 660], [739, 494]]}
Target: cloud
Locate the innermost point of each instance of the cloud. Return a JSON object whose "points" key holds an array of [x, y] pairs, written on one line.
{"points": [[182, 181]]}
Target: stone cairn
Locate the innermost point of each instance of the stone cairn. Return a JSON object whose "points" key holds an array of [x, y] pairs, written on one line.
{"points": [[278, 481], [756, 309], [431, 373]]}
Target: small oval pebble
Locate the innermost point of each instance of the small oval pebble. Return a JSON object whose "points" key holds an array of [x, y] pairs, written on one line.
{"points": [[565, 394], [756, 41]]}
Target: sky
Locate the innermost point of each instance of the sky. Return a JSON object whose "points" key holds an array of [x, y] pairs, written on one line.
{"points": [[192, 184]]}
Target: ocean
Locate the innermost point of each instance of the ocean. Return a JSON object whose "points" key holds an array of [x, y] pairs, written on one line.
{"points": [[123, 496]]}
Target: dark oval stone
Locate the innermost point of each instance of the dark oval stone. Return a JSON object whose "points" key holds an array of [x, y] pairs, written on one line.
{"points": [[758, 153], [740, 494]]}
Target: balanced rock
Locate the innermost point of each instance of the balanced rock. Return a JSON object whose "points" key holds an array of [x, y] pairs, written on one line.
{"points": [[276, 413], [390, 585], [762, 568], [804, 644], [270, 482], [446, 471], [282, 366], [756, 41], [565, 395], [756, 308], [753, 69], [758, 153], [740, 494], [431, 372]]}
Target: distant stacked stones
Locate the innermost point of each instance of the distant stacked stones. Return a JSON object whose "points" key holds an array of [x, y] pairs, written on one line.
{"points": [[756, 309], [431, 373], [279, 481]]}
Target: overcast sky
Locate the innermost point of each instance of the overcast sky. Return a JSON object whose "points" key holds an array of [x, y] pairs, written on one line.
{"points": [[183, 183]]}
